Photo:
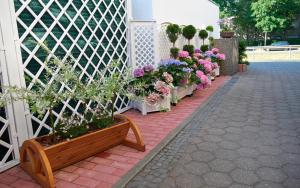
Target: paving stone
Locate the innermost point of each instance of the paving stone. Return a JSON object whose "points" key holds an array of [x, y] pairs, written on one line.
{"points": [[217, 179], [244, 176], [247, 163], [265, 184], [202, 156], [197, 168], [220, 165], [271, 174]]}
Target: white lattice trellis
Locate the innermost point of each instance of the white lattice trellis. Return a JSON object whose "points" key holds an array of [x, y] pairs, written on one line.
{"points": [[94, 32], [143, 44]]}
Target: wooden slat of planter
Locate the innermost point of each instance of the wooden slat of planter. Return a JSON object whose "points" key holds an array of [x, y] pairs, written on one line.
{"points": [[84, 149]]}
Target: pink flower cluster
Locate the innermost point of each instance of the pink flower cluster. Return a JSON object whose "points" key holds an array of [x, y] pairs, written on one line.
{"points": [[207, 65], [183, 54], [221, 57], [168, 77], [162, 87], [215, 51], [153, 98], [205, 82], [197, 55]]}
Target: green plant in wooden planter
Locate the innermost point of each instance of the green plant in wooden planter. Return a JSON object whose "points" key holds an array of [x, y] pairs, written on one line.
{"points": [[203, 34], [60, 79], [173, 31], [189, 32]]}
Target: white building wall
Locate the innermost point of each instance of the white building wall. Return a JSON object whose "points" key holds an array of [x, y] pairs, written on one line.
{"points": [[199, 13]]}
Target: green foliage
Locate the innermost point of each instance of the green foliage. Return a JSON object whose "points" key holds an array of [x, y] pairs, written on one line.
{"points": [[71, 127], [174, 52], [189, 48], [210, 28], [173, 31], [204, 48], [271, 15], [203, 35], [242, 53], [189, 32], [175, 70], [211, 41]]}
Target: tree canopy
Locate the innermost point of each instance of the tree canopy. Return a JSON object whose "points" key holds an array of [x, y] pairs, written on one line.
{"points": [[252, 17]]}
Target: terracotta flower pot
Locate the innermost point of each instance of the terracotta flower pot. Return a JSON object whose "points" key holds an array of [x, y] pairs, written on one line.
{"points": [[227, 34], [40, 161], [242, 67]]}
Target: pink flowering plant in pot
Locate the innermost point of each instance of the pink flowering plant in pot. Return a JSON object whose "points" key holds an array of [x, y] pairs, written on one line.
{"points": [[148, 85], [176, 68]]}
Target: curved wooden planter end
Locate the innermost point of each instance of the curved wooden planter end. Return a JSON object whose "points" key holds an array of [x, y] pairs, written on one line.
{"points": [[40, 162]]}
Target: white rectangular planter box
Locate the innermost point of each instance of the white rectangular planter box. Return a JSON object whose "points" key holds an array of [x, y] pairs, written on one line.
{"points": [[144, 107], [217, 72], [180, 92]]}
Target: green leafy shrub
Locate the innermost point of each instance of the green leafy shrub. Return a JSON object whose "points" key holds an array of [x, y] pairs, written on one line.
{"points": [[189, 48], [242, 53], [204, 48], [210, 28], [173, 31], [203, 35], [211, 41], [189, 32], [174, 52]]}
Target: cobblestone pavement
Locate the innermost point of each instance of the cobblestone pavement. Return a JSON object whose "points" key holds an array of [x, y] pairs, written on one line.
{"points": [[248, 135]]}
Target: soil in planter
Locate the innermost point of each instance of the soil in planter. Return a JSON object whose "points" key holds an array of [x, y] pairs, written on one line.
{"points": [[99, 124]]}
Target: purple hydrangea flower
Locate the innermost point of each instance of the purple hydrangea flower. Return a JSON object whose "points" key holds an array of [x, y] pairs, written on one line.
{"points": [[148, 68], [187, 70], [170, 62], [197, 50], [138, 73]]}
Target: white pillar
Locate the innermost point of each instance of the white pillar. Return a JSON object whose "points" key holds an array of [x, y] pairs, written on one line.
{"points": [[13, 74]]}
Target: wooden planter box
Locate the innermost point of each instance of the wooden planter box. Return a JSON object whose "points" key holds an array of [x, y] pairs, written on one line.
{"points": [[40, 162], [180, 92], [144, 107]]}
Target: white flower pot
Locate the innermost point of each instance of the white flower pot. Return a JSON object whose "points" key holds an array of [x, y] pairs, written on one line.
{"points": [[180, 92], [144, 107]]}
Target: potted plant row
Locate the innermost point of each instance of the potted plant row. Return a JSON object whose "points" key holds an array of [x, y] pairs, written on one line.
{"points": [[75, 136]]}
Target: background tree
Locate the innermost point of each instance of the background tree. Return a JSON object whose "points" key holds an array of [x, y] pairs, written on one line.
{"points": [[272, 15]]}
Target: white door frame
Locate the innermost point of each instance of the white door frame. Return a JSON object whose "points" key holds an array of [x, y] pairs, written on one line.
{"points": [[12, 70]]}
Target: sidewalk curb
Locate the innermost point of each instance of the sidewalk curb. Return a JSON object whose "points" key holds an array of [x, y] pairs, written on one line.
{"points": [[141, 164]]}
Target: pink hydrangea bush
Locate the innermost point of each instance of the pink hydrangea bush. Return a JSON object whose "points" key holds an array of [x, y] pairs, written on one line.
{"points": [[183, 54]]}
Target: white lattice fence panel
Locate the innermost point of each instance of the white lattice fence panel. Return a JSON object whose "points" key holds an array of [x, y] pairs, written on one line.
{"points": [[94, 32], [143, 44], [164, 43], [8, 143]]}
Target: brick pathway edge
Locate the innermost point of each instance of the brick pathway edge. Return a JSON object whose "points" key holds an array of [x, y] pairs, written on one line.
{"points": [[142, 163]]}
